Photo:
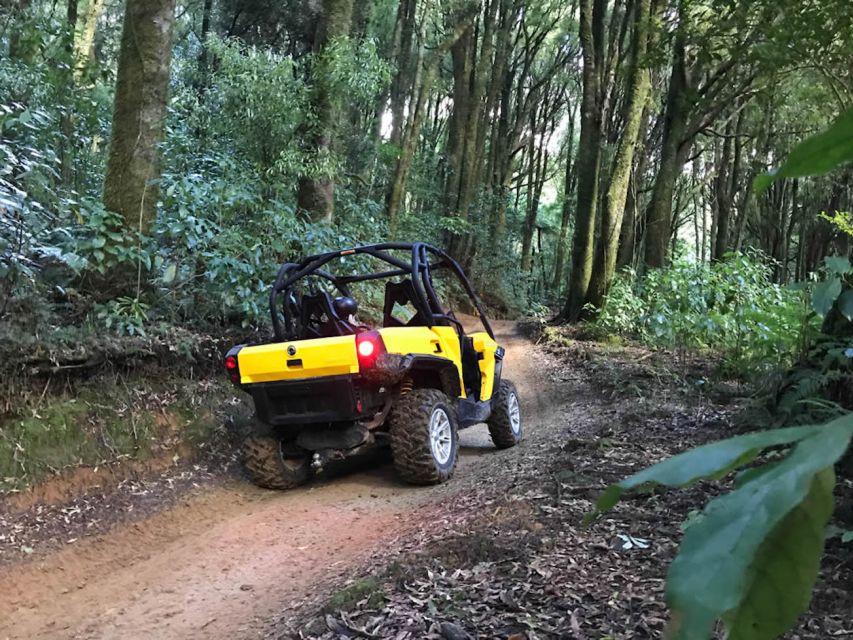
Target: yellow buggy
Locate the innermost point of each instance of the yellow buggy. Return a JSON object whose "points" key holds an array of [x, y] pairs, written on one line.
{"points": [[329, 387]]}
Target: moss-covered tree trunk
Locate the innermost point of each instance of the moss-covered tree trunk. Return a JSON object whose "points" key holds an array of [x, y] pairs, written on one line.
{"points": [[316, 197], [592, 13], [401, 85], [566, 212], [659, 211], [639, 86], [482, 66], [426, 74], [84, 42], [139, 112]]}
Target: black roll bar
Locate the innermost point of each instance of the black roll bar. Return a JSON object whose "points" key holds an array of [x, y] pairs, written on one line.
{"points": [[419, 268]]}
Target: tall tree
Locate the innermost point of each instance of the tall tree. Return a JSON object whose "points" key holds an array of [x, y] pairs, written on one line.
{"points": [[84, 42], [316, 196], [426, 70], [139, 112], [659, 212], [401, 85], [639, 85], [566, 212], [591, 31]]}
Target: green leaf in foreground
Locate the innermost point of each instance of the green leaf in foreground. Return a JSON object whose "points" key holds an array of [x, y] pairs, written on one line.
{"points": [[816, 155], [785, 567], [839, 265], [845, 304], [752, 559], [825, 294]]}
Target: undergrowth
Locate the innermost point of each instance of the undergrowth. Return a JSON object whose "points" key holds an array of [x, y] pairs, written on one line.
{"points": [[732, 307], [107, 419]]}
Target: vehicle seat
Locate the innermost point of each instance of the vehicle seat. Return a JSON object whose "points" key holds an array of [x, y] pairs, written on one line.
{"points": [[319, 318], [400, 293]]}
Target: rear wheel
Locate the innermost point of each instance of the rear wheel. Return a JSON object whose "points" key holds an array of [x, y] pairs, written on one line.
{"points": [[505, 422], [269, 468], [424, 437]]}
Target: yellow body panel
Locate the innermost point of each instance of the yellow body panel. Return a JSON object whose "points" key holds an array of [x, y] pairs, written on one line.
{"points": [[484, 345], [436, 341], [319, 357], [337, 355]]}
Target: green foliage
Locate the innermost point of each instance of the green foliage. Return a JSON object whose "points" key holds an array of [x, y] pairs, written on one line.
{"points": [[41, 121], [127, 316], [752, 558], [830, 291], [357, 73], [842, 220], [103, 421], [242, 112], [732, 306], [816, 155]]}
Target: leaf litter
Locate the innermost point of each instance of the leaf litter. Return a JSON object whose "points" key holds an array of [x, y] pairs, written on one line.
{"points": [[511, 558]]}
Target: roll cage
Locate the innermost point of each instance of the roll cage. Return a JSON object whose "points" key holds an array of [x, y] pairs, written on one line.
{"points": [[287, 305]]}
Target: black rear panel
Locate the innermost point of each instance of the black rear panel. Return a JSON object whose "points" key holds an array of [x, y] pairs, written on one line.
{"points": [[332, 399]]}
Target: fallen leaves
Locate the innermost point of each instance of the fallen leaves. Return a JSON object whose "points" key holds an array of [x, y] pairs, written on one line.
{"points": [[510, 558]]}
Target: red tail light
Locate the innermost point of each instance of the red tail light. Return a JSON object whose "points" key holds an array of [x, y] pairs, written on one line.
{"points": [[369, 347], [232, 365]]}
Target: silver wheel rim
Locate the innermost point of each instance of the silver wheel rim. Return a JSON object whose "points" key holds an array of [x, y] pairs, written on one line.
{"points": [[514, 413], [440, 436]]}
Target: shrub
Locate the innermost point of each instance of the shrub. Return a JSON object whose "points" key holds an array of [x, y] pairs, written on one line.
{"points": [[732, 306]]}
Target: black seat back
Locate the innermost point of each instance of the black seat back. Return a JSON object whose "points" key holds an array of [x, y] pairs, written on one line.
{"points": [[399, 293], [319, 319]]}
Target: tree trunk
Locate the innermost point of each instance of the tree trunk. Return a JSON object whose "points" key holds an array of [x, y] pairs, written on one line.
{"points": [[84, 43], [66, 120], [639, 86], [139, 114], [536, 180], [462, 247], [460, 54], [566, 214], [589, 156], [413, 128], [401, 85], [204, 57], [726, 185], [631, 221], [72, 10], [21, 49], [316, 193], [659, 212]]}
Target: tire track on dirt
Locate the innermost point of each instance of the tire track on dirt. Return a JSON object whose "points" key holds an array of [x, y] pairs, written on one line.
{"points": [[222, 563]]}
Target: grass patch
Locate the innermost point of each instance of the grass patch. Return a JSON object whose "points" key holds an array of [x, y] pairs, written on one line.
{"points": [[103, 421], [368, 590]]}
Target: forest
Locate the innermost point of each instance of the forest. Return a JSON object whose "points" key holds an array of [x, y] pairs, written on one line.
{"points": [[675, 174]]}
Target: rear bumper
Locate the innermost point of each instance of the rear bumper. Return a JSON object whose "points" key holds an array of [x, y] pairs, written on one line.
{"points": [[316, 400]]}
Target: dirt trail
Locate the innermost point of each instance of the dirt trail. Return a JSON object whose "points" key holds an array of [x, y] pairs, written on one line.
{"points": [[220, 564]]}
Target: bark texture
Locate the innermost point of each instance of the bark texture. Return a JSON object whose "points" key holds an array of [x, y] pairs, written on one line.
{"points": [[659, 212], [316, 196], [589, 156], [639, 86], [139, 113], [84, 42]]}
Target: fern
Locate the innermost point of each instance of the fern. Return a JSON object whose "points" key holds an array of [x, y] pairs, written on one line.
{"points": [[817, 386]]}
